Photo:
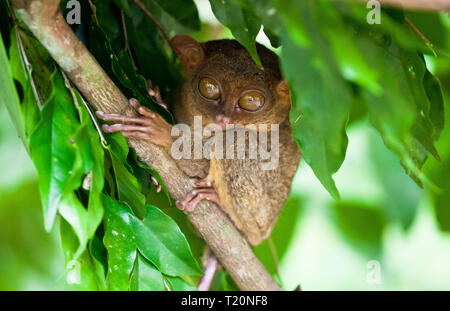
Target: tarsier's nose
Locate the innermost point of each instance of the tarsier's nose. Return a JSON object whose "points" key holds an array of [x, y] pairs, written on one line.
{"points": [[222, 121]]}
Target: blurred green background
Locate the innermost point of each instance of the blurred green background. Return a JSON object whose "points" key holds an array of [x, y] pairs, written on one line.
{"points": [[383, 216]]}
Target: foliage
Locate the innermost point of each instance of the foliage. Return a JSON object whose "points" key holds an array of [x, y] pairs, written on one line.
{"points": [[117, 232]]}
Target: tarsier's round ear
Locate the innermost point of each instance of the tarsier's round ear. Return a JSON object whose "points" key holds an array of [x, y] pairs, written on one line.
{"points": [[188, 50]]}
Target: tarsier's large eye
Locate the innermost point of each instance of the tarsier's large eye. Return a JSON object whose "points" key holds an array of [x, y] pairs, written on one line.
{"points": [[209, 88], [251, 101]]}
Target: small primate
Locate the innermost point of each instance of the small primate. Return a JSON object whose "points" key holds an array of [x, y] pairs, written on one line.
{"points": [[223, 85]]}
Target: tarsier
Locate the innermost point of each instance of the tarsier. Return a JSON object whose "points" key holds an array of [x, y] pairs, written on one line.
{"points": [[223, 85]]}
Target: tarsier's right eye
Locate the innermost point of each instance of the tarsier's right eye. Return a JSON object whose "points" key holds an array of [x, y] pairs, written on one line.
{"points": [[209, 88]]}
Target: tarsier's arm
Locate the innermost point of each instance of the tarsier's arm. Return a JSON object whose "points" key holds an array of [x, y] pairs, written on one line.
{"points": [[151, 127]]}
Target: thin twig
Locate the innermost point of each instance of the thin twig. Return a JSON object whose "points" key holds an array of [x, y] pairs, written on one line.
{"points": [[167, 286], [421, 35], [300, 116], [157, 23], [273, 252], [125, 35], [94, 120], [85, 104], [70, 88], [94, 12], [29, 69], [24, 58]]}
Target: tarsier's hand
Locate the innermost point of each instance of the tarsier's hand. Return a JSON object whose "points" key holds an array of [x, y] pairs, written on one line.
{"points": [[149, 126]]}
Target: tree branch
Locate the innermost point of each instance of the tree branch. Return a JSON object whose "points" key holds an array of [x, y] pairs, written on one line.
{"points": [[45, 20]]}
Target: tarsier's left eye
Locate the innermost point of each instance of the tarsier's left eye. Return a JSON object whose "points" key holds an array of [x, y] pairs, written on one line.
{"points": [[251, 101]]}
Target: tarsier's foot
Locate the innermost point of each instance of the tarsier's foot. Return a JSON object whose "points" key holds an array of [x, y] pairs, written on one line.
{"points": [[204, 190], [153, 91], [149, 125]]}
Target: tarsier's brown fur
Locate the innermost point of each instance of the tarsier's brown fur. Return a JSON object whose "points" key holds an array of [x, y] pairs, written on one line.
{"points": [[251, 196]]}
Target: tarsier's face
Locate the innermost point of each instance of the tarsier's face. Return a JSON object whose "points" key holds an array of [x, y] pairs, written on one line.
{"points": [[224, 86]]}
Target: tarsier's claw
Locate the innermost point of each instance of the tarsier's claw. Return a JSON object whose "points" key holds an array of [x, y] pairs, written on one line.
{"points": [[192, 198], [155, 94], [156, 183], [200, 183]]}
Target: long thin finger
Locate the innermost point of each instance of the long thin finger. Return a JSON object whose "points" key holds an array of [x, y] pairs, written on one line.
{"points": [[188, 197], [199, 194], [139, 135], [200, 183], [209, 195], [119, 118], [124, 128]]}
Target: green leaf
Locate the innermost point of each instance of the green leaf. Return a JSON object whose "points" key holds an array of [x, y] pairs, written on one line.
{"points": [[52, 148], [96, 174], [120, 242], [402, 196], [64, 152], [352, 63], [271, 21], [9, 97], [99, 259], [29, 105], [123, 69], [178, 284], [223, 282], [124, 5], [107, 42], [157, 238], [88, 165], [80, 270], [145, 276], [161, 70], [407, 117], [319, 113], [429, 24], [393, 24], [128, 187], [439, 173], [240, 18], [404, 100], [363, 226], [183, 12], [58, 146], [162, 243], [408, 112], [177, 16]]}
